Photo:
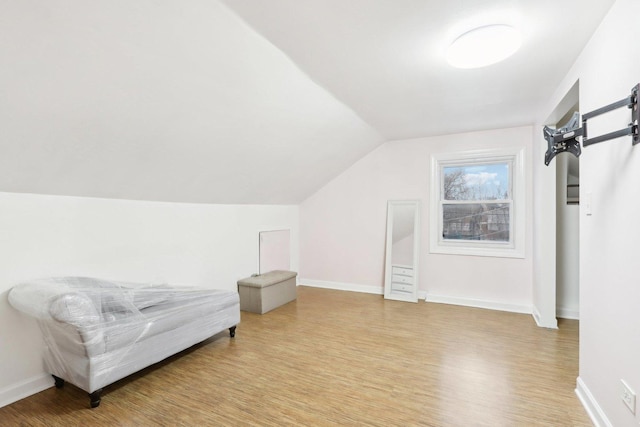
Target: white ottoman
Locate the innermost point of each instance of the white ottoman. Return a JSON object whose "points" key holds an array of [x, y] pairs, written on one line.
{"points": [[263, 293]]}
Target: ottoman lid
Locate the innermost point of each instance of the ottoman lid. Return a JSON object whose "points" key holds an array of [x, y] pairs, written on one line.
{"points": [[267, 279]]}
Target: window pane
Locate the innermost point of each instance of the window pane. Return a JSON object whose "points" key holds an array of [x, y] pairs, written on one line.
{"points": [[476, 221], [477, 182]]}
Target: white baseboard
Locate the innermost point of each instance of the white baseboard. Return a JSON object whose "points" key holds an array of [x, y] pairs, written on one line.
{"points": [[566, 313], [26, 388], [594, 410], [553, 324], [536, 315], [367, 289], [470, 302], [491, 305]]}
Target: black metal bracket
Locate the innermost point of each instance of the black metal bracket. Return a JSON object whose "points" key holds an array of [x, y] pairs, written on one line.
{"points": [[630, 101], [565, 138]]}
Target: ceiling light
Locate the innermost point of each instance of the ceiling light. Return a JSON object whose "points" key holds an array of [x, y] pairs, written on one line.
{"points": [[484, 46]]}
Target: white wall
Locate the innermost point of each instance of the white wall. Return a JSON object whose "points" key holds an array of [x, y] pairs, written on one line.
{"points": [[207, 245], [609, 277], [342, 237]]}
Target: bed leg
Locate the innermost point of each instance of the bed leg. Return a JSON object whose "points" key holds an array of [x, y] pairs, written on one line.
{"points": [[95, 398], [59, 381], [232, 331]]}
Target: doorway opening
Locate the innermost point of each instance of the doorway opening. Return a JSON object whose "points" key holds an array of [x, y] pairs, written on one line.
{"points": [[568, 230]]}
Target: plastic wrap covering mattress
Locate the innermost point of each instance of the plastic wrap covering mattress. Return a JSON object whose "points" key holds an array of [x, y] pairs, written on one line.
{"points": [[98, 331]]}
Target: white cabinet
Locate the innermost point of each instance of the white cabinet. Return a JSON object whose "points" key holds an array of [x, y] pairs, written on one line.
{"points": [[402, 279]]}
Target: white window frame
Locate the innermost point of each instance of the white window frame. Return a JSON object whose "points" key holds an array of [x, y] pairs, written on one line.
{"points": [[514, 248]]}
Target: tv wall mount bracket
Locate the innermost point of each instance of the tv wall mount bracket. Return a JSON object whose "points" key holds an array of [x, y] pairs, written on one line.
{"points": [[565, 138]]}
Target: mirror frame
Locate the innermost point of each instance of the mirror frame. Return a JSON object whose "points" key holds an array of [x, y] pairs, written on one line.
{"points": [[388, 292]]}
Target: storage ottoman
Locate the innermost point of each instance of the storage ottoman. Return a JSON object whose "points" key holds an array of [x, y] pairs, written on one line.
{"points": [[262, 293]]}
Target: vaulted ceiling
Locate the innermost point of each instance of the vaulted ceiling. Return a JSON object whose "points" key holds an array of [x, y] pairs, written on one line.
{"points": [[253, 101]]}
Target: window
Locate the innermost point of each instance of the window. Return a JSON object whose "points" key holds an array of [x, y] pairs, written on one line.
{"points": [[477, 203]]}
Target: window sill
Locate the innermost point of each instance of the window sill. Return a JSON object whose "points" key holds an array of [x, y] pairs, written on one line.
{"points": [[484, 250]]}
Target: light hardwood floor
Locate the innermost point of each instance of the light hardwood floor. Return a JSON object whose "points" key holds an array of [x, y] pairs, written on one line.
{"points": [[343, 358]]}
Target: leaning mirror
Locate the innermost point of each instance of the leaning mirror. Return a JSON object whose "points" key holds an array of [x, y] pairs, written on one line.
{"points": [[402, 253]]}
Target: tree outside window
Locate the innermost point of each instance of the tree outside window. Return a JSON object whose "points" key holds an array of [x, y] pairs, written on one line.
{"points": [[477, 203]]}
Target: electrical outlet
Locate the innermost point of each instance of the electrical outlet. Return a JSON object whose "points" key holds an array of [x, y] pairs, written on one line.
{"points": [[587, 203], [628, 397]]}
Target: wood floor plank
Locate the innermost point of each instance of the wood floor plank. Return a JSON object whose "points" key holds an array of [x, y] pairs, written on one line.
{"points": [[343, 358]]}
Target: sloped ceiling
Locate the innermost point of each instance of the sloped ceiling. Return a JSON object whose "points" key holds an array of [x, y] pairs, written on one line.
{"points": [[250, 101], [386, 58], [168, 101]]}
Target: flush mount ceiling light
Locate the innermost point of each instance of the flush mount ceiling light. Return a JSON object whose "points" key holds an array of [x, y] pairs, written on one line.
{"points": [[484, 46]]}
